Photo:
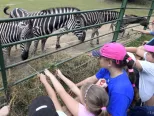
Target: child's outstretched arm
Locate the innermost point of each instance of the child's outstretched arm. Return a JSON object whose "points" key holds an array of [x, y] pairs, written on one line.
{"points": [[50, 92], [67, 99], [69, 83], [142, 31]]}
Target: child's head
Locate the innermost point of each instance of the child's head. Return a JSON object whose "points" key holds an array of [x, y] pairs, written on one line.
{"points": [[111, 55], [149, 56], [95, 98], [42, 106]]}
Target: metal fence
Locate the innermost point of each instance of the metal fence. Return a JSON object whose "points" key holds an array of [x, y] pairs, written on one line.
{"points": [[3, 68]]}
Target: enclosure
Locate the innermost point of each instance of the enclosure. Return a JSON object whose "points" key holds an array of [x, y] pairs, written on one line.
{"points": [[71, 58]]}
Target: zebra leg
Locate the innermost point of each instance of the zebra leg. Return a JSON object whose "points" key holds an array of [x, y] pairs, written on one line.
{"points": [[43, 41], [8, 54], [16, 47], [35, 47], [123, 33], [58, 42], [92, 36], [97, 33], [8, 63]]}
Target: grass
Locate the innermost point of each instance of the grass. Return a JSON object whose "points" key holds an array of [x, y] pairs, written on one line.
{"points": [[140, 41], [27, 91], [36, 5]]}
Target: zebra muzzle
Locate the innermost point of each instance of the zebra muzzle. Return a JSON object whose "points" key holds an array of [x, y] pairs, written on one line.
{"points": [[24, 55]]}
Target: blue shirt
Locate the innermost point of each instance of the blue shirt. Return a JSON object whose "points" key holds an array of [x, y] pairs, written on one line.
{"points": [[151, 42], [120, 92], [152, 33]]}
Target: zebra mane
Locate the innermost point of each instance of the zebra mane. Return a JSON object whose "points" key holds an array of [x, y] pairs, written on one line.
{"points": [[50, 9]]}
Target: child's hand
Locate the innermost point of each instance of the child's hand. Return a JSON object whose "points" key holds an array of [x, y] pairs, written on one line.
{"points": [[90, 54], [102, 83], [144, 42], [48, 73], [4, 111], [58, 73], [42, 78]]}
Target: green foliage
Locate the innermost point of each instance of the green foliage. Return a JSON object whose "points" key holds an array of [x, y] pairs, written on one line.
{"points": [[139, 41]]}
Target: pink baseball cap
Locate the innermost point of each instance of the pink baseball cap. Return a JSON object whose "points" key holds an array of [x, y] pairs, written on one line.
{"points": [[149, 48], [114, 51]]}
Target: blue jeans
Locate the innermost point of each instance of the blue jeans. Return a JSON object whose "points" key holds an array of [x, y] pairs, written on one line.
{"points": [[151, 42], [141, 111]]}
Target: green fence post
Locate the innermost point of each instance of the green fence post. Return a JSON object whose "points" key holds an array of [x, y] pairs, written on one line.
{"points": [[150, 12], [122, 11], [3, 72]]}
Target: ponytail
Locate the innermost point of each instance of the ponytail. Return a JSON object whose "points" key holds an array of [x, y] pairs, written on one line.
{"points": [[103, 112], [132, 76]]}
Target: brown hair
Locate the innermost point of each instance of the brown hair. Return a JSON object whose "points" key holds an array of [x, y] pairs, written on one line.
{"points": [[132, 76], [95, 97]]}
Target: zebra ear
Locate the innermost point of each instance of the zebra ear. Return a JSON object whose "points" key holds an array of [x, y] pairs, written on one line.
{"points": [[77, 16], [30, 24], [21, 25]]}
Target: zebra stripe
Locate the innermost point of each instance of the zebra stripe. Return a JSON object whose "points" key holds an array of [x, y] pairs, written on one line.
{"points": [[12, 32], [49, 24], [92, 18]]}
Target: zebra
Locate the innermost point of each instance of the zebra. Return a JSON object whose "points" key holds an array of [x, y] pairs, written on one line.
{"points": [[13, 32], [92, 18], [49, 24], [130, 19]]}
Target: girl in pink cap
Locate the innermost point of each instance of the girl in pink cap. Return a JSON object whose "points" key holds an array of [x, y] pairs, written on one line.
{"points": [[113, 58]]}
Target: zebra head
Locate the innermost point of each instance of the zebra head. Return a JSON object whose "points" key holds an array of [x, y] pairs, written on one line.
{"points": [[144, 21], [81, 34], [132, 19], [26, 33]]}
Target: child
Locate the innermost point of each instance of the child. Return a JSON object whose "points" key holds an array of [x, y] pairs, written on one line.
{"points": [[44, 105], [146, 71], [112, 57], [149, 32], [146, 82], [94, 98]]}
